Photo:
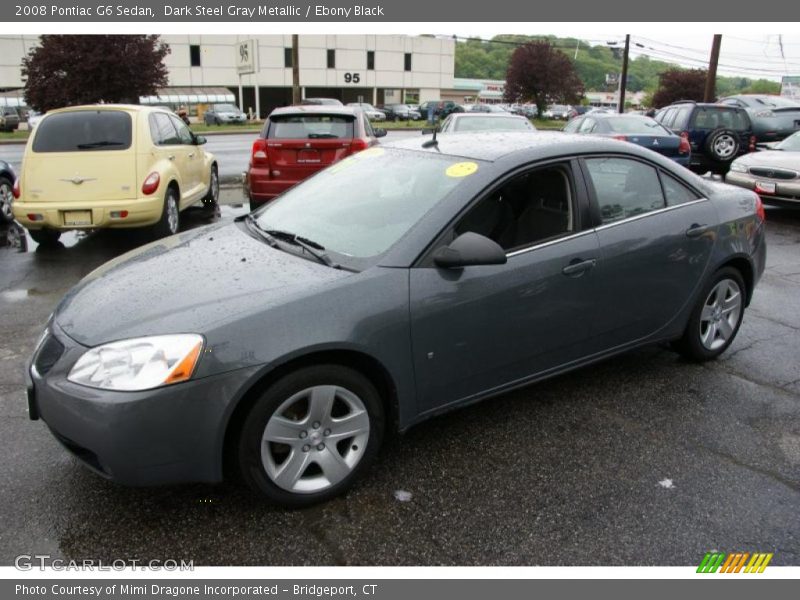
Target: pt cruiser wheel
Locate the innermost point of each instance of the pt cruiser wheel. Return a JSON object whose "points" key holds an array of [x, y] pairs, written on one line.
{"points": [[716, 319], [311, 434]]}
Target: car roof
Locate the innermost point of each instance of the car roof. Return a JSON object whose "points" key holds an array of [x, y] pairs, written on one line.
{"points": [[325, 109], [491, 146], [125, 107], [491, 115]]}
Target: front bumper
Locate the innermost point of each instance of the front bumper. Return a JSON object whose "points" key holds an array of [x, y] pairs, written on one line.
{"points": [[168, 435], [786, 192], [141, 212]]}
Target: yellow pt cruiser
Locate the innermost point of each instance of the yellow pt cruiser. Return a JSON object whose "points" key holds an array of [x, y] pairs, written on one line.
{"points": [[107, 165]]}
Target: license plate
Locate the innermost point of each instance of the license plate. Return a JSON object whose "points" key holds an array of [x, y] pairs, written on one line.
{"points": [[308, 156], [765, 187], [78, 217]]}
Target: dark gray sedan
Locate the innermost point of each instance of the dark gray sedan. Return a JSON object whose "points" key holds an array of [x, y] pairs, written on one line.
{"points": [[399, 283]]}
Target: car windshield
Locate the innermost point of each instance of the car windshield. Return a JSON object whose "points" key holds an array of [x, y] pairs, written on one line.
{"points": [[492, 124], [83, 130], [225, 108], [357, 215], [641, 125], [311, 126], [791, 143]]}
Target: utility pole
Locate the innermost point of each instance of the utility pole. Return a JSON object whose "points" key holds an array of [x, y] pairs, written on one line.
{"points": [[295, 69], [711, 78], [624, 77]]}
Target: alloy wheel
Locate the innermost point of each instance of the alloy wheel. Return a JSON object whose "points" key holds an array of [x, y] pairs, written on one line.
{"points": [[172, 213], [315, 439], [725, 146], [720, 314], [6, 197]]}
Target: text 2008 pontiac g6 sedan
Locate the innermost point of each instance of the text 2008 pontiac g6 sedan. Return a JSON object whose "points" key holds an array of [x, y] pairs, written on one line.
{"points": [[401, 282]]}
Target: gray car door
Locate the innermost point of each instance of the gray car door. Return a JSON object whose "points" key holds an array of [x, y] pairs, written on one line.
{"points": [[656, 236], [481, 328]]}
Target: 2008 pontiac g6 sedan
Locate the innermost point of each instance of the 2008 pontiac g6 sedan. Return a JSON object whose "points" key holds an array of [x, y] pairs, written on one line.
{"points": [[399, 283]]}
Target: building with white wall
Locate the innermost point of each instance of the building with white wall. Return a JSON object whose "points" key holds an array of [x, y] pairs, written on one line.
{"points": [[380, 69]]}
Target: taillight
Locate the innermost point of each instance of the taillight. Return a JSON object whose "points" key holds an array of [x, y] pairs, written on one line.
{"points": [[259, 154], [15, 189], [622, 138], [359, 144], [150, 184], [752, 147], [684, 147], [760, 213]]}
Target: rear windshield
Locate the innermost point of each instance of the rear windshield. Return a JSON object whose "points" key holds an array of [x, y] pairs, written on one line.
{"points": [[492, 124], [84, 130], [641, 125], [302, 127], [713, 117]]}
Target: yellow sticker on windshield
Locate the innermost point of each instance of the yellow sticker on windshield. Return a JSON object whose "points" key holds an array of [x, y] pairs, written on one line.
{"points": [[462, 169]]}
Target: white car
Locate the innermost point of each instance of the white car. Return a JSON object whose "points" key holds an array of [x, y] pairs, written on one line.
{"points": [[33, 119]]}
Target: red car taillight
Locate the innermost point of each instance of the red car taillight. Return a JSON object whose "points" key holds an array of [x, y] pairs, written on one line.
{"points": [[622, 138], [760, 213], [359, 144], [259, 156], [752, 147], [684, 147], [15, 191], [150, 183]]}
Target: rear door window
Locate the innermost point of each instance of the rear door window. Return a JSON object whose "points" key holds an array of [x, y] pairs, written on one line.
{"points": [[84, 130], [162, 130], [308, 126], [624, 188], [675, 192], [720, 117]]}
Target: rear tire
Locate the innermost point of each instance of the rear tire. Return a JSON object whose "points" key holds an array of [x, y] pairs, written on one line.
{"points": [[6, 196], [211, 198], [328, 422], [170, 222], [716, 318]]}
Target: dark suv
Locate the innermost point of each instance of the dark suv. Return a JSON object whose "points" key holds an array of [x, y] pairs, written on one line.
{"points": [[716, 133]]}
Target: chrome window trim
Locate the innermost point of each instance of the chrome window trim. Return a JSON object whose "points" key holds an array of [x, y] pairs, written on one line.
{"points": [[602, 227]]}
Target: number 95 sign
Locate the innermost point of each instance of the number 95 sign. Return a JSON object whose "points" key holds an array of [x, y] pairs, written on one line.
{"points": [[352, 77]]}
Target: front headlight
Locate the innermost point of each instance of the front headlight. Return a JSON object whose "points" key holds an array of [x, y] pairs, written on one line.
{"points": [[738, 167], [139, 364], [765, 113]]}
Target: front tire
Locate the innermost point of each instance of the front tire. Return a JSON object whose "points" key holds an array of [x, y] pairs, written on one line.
{"points": [[6, 196], [212, 195], [311, 435], [716, 318]]}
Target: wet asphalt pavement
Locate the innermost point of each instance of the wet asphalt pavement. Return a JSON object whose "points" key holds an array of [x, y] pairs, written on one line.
{"points": [[641, 460]]}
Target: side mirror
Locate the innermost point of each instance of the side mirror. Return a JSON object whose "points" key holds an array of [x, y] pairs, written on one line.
{"points": [[200, 140], [469, 249], [379, 132]]}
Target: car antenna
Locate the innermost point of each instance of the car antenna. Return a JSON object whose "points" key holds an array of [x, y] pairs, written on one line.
{"points": [[431, 142]]}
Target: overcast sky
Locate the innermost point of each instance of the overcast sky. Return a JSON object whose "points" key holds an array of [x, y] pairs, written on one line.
{"points": [[755, 56]]}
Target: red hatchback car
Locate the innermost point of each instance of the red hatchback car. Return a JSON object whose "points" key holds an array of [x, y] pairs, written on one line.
{"points": [[298, 141]]}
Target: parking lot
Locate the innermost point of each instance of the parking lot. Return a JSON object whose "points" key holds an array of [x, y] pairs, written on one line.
{"points": [[641, 460]]}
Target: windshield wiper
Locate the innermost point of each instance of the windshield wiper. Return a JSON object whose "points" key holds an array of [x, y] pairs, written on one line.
{"points": [[252, 223], [316, 136], [99, 144], [313, 248]]}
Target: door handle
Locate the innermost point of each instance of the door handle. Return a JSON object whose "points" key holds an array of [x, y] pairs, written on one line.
{"points": [[696, 230], [171, 157], [578, 267]]}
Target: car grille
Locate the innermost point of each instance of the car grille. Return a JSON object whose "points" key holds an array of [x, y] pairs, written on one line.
{"points": [[773, 173], [49, 353]]}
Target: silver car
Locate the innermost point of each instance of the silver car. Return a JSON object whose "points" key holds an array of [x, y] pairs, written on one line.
{"points": [[773, 174], [773, 117], [373, 114]]}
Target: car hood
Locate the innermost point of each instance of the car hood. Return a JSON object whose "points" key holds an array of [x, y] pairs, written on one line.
{"points": [[187, 283], [772, 158]]}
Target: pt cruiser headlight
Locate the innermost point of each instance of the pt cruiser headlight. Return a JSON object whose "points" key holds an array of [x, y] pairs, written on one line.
{"points": [[738, 167], [139, 364]]}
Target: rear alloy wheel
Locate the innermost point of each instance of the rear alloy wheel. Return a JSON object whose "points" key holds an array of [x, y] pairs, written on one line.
{"points": [[170, 221], [6, 197], [717, 317], [310, 435]]}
